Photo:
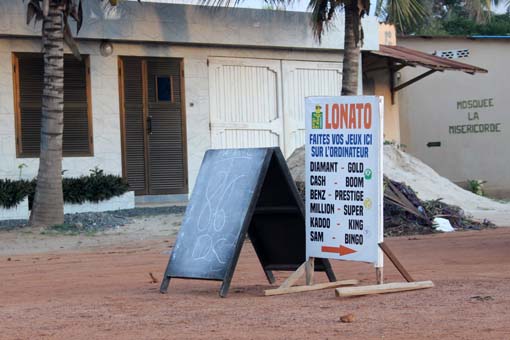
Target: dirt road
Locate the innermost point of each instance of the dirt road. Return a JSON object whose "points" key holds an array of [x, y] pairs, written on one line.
{"points": [[105, 293]]}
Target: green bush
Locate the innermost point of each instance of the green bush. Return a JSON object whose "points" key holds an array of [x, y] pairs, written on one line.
{"points": [[95, 188], [13, 192], [476, 186]]}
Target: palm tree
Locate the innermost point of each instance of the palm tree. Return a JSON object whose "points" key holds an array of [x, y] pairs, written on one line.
{"points": [[481, 10], [405, 13], [48, 205], [392, 11]]}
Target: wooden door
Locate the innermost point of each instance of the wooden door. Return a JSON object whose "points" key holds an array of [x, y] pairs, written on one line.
{"points": [[245, 103], [153, 122], [303, 79]]}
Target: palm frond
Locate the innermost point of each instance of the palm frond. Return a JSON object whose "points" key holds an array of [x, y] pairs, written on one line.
{"points": [[405, 12], [379, 8], [325, 11], [481, 10], [37, 10], [34, 11]]}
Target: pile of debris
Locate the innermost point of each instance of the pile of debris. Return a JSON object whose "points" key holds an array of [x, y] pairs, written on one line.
{"points": [[404, 212]]}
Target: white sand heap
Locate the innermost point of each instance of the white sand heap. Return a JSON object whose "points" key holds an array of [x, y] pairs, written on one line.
{"points": [[428, 184]]}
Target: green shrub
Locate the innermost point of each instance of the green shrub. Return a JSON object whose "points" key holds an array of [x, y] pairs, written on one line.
{"points": [[95, 188], [13, 192], [476, 186]]}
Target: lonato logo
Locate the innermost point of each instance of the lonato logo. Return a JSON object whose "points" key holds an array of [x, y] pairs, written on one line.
{"points": [[317, 117]]}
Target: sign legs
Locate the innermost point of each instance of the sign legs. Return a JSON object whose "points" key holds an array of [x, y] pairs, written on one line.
{"points": [[166, 280], [270, 276], [329, 270], [225, 286], [379, 275], [164, 285], [309, 269]]}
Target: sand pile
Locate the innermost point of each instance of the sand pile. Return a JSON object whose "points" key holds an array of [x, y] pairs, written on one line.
{"points": [[427, 183]]}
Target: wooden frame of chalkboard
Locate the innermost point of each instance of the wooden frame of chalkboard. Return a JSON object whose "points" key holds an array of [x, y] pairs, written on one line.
{"points": [[241, 192]]}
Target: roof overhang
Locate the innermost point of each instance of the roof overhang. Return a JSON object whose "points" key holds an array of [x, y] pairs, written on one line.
{"points": [[398, 57], [409, 57]]}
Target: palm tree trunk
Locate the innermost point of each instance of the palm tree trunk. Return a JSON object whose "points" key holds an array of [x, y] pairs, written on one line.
{"points": [[351, 49], [48, 205]]}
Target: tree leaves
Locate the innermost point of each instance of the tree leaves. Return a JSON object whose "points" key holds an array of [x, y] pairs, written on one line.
{"points": [[76, 12], [69, 40], [404, 12], [34, 11], [37, 10]]}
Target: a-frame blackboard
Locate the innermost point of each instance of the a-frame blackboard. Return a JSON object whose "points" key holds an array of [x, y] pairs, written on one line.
{"points": [[239, 192]]}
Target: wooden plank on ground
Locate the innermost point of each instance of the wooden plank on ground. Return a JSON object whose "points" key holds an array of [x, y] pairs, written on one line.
{"points": [[386, 249], [384, 288], [319, 286], [294, 277]]}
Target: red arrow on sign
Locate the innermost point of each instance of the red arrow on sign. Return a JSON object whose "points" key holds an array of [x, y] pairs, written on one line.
{"points": [[340, 250]]}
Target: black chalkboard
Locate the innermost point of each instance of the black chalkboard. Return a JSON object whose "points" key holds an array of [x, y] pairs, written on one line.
{"points": [[240, 191]]}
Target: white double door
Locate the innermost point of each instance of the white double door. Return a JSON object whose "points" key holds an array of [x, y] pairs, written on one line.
{"points": [[260, 102]]}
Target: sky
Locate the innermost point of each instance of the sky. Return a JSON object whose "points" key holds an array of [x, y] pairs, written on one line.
{"points": [[298, 5]]}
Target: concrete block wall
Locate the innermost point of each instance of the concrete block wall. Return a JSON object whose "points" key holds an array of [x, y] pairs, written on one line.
{"points": [[125, 201], [19, 212]]}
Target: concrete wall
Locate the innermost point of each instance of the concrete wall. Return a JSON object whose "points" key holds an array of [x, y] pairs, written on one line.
{"points": [[105, 100], [105, 121], [391, 109], [431, 106], [376, 81]]}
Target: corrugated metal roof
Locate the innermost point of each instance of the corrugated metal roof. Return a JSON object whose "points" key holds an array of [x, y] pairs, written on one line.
{"points": [[412, 57], [490, 36], [454, 37]]}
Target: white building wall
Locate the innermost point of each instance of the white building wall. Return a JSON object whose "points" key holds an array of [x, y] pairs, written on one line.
{"points": [[105, 100], [429, 108], [105, 117]]}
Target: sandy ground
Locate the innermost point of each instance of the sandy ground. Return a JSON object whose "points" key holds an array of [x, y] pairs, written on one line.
{"points": [[35, 240], [100, 289]]}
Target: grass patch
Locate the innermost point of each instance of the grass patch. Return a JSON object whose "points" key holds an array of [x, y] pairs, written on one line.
{"points": [[69, 230]]}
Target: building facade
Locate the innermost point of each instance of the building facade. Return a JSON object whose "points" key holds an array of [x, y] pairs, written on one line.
{"points": [[457, 123], [159, 84]]}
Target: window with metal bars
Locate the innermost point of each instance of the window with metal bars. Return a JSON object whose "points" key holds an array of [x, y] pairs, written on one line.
{"points": [[29, 80]]}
